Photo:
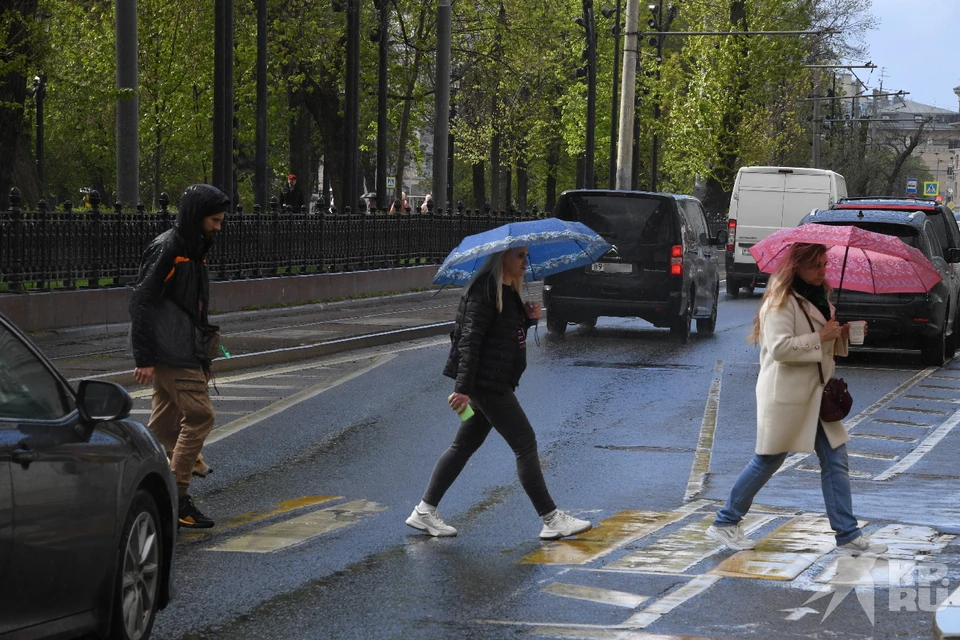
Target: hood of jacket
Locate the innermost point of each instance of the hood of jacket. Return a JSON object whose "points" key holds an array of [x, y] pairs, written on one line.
{"points": [[198, 202]]}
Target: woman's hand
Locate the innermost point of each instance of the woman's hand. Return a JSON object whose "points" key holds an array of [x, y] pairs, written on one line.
{"points": [[458, 402], [533, 310], [832, 331]]}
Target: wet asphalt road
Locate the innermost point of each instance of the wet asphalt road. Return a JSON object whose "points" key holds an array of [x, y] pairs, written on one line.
{"points": [[311, 500]]}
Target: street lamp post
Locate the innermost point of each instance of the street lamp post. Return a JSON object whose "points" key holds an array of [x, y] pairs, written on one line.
{"points": [[39, 91], [615, 93]]}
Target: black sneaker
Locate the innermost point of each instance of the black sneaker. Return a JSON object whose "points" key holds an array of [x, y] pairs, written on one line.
{"points": [[190, 516]]}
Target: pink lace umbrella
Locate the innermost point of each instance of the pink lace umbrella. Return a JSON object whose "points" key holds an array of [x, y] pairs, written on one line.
{"points": [[857, 259]]}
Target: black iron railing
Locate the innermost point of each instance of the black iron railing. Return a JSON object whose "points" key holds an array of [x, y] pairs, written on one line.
{"points": [[92, 247]]}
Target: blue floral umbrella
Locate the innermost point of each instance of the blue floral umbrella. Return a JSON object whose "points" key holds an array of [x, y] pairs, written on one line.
{"points": [[555, 246]]}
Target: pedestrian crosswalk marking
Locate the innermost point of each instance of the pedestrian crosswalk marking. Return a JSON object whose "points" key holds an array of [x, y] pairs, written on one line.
{"points": [[682, 549], [593, 594], [922, 449], [301, 529], [671, 601], [854, 473], [933, 398], [238, 385], [935, 412], [904, 423], [783, 554], [255, 516], [612, 533], [880, 436]]}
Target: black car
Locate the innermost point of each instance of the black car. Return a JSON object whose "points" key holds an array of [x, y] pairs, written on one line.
{"points": [[663, 267], [924, 321], [87, 505]]}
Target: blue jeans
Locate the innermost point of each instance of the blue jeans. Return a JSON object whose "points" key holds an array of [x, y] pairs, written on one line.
{"points": [[834, 481]]}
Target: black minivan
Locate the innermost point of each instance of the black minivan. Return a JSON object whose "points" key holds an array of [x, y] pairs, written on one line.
{"points": [[663, 267]]}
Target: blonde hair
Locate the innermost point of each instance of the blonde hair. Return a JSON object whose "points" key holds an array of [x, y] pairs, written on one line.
{"points": [[494, 266], [780, 286]]}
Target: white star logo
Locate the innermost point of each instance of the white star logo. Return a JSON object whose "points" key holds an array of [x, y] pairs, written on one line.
{"points": [[851, 574]]}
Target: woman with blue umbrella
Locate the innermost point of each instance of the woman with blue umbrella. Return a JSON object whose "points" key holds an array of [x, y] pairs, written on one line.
{"points": [[487, 358]]}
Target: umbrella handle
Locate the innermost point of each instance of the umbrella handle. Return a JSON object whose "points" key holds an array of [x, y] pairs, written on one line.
{"points": [[843, 271]]}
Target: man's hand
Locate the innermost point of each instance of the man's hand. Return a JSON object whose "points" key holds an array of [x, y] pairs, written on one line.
{"points": [[144, 375]]}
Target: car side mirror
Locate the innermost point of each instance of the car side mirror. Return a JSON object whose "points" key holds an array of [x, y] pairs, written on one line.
{"points": [[99, 401], [721, 237], [953, 255]]}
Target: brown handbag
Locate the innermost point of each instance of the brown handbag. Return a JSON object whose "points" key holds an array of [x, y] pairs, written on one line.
{"points": [[837, 401]]}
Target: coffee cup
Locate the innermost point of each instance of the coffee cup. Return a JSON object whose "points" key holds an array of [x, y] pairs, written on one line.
{"points": [[858, 329]]}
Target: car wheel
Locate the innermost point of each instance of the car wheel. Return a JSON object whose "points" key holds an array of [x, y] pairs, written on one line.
{"points": [[733, 287], [681, 324], [556, 325], [589, 323], [137, 586], [934, 350], [709, 325]]}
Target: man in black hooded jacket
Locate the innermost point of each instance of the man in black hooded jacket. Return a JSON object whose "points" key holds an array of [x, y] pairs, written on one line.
{"points": [[170, 299]]}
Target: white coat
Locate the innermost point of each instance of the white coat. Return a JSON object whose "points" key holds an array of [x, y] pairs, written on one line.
{"points": [[788, 387]]}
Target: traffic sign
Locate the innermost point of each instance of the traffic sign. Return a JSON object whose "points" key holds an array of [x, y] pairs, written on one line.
{"points": [[391, 183], [911, 185], [931, 188]]}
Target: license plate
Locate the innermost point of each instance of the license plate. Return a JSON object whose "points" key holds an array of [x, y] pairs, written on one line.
{"points": [[611, 267]]}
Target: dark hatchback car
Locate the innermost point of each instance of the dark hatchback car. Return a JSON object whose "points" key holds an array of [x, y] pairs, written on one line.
{"points": [[924, 321], [87, 509], [663, 267]]}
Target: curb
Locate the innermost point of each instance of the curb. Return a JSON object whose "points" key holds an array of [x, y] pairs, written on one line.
{"points": [[306, 352]]}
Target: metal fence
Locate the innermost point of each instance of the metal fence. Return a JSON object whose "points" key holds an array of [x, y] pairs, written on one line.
{"points": [[91, 247]]}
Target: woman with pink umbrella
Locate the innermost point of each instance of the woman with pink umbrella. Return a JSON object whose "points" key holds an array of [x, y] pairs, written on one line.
{"points": [[796, 331]]}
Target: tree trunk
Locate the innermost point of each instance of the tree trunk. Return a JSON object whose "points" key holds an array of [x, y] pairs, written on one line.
{"points": [[495, 173], [413, 75], [522, 184], [13, 92], [301, 149], [323, 103], [479, 186]]}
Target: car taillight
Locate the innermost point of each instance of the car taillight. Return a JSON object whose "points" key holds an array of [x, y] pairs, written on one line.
{"points": [[731, 233], [676, 260]]}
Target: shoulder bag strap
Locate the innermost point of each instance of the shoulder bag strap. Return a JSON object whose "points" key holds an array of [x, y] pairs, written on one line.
{"points": [[810, 322]]}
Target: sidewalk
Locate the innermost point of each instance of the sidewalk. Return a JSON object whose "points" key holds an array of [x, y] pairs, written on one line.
{"points": [[271, 336]]}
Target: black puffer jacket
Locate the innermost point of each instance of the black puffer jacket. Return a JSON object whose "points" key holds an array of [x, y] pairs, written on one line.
{"points": [[488, 349], [172, 282]]}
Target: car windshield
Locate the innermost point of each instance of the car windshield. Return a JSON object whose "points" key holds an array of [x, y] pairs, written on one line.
{"points": [[621, 219]]}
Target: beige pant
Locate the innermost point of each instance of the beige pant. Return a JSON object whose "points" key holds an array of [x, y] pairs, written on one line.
{"points": [[182, 418]]}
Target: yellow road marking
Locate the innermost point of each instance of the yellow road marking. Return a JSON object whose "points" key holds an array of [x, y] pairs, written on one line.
{"points": [[254, 516], [783, 554], [708, 426], [300, 529], [681, 549], [612, 533], [593, 594]]}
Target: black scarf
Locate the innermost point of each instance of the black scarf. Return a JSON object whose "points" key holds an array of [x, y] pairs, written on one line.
{"points": [[817, 295]]}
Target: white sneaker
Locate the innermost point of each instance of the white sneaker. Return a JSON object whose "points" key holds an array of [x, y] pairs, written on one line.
{"points": [[560, 524], [431, 523], [731, 536], [862, 544]]}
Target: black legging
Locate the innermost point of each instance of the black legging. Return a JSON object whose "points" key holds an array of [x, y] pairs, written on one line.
{"points": [[503, 412]]}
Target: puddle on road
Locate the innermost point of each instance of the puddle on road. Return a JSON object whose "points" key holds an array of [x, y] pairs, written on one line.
{"points": [[646, 366]]}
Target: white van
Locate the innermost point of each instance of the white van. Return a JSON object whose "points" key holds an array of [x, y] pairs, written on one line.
{"points": [[767, 199]]}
